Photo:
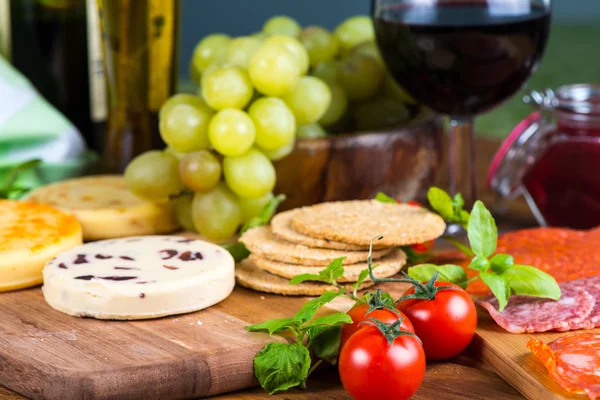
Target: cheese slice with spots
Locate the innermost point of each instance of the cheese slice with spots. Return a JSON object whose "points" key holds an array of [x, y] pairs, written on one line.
{"points": [[106, 208], [30, 235], [138, 277]]}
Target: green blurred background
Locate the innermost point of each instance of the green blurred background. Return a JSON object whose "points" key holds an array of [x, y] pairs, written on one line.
{"points": [[572, 55]]}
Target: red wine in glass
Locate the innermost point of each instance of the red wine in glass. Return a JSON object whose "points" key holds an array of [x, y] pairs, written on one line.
{"points": [[461, 58]]}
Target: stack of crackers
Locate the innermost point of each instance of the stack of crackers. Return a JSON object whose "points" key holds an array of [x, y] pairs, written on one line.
{"points": [[306, 240]]}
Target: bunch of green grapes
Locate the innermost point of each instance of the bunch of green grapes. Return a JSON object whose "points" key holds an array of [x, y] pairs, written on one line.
{"points": [[257, 95]]}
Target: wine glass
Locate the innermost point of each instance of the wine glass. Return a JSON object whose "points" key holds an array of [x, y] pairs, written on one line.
{"points": [[461, 58]]}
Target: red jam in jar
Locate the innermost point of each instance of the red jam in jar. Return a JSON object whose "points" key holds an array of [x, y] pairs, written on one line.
{"points": [[555, 165]]}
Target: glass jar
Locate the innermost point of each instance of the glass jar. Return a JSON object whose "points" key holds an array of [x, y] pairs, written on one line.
{"points": [[552, 157]]}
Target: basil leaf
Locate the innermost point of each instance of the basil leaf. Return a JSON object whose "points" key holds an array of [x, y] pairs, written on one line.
{"points": [[501, 262], [12, 176], [482, 231], [330, 320], [310, 308], [447, 273], [463, 218], [453, 274], [479, 263], [499, 287], [414, 257], [422, 272], [325, 342], [462, 247], [266, 214], [441, 203], [333, 271], [237, 250], [458, 202], [361, 278], [529, 281], [280, 366], [274, 325], [384, 198], [304, 277]]}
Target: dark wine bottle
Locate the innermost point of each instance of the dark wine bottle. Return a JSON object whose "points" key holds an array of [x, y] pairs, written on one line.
{"points": [[56, 44]]}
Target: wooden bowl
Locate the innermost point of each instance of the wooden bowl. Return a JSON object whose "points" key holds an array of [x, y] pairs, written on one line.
{"points": [[400, 162]]}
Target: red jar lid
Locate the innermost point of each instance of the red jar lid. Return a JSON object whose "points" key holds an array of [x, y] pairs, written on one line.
{"points": [[516, 154]]}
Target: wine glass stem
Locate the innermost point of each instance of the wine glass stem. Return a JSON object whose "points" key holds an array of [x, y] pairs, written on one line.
{"points": [[461, 157]]}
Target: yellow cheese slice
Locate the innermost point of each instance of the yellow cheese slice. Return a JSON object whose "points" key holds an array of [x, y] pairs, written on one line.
{"points": [[31, 235], [105, 207]]}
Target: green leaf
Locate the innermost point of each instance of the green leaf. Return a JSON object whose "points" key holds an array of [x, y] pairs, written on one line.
{"points": [[479, 263], [304, 277], [14, 173], [328, 275], [274, 325], [529, 281], [310, 308], [482, 231], [466, 250], [384, 198], [463, 218], [237, 250], [361, 278], [454, 274], [325, 342], [458, 202], [441, 203], [266, 214], [499, 287], [447, 273], [280, 366], [501, 262], [329, 320], [414, 257]]}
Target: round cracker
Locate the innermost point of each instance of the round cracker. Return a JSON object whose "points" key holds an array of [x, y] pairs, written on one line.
{"points": [[105, 208], [263, 242], [248, 275], [387, 266], [356, 222], [280, 224]]}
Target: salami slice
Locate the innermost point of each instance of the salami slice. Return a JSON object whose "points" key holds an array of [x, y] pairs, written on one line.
{"points": [[532, 314], [572, 361], [592, 286]]}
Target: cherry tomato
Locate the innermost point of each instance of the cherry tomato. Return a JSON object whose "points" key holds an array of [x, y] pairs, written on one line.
{"points": [[358, 315], [372, 369], [445, 324]]}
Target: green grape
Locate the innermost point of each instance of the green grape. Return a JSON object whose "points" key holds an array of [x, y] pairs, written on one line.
{"points": [[281, 152], [282, 25], [177, 154], [200, 170], [182, 98], [380, 113], [369, 49], [226, 87], [253, 207], [241, 50], [337, 107], [193, 72], [211, 49], [360, 76], [294, 46], [183, 212], [274, 70], [309, 100], [262, 36], [183, 127], [310, 131], [320, 44], [216, 213], [395, 91], [231, 132], [327, 71], [250, 175], [354, 31], [154, 176], [274, 121]]}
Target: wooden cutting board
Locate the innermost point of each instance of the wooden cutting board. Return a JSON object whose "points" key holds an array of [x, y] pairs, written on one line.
{"points": [[50, 355], [508, 355]]}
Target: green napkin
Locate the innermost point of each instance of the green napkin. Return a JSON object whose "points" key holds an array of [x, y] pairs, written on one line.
{"points": [[31, 128]]}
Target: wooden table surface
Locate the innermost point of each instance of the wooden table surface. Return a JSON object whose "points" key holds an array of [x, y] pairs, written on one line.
{"points": [[465, 377]]}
